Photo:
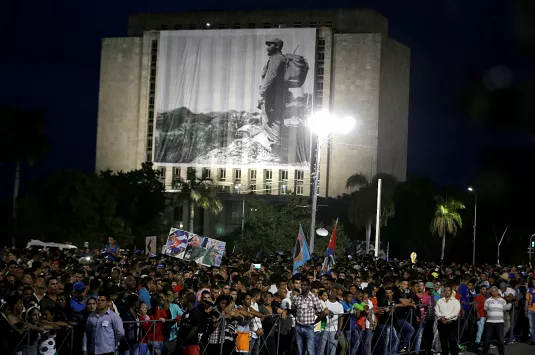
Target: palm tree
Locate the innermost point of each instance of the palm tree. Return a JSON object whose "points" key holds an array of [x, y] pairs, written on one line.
{"points": [[196, 192], [447, 220], [363, 207], [22, 140]]}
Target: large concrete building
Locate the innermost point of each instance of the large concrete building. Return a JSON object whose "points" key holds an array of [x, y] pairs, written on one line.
{"points": [[358, 70]]}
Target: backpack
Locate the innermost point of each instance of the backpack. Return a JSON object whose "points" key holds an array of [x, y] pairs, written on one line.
{"points": [[296, 70]]}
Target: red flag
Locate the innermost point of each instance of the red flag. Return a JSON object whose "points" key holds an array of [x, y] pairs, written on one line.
{"points": [[332, 241]]}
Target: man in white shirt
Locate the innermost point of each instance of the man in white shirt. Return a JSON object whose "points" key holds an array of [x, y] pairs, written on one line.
{"points": [[334, 324], [509, 295], [447, 312], [256, 324], [496, 308]]}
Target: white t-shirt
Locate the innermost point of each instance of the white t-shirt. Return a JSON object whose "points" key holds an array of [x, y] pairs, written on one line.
{"points": [[255, 322], [317, 326], [332, 320], [508, 291], [370, 312]]}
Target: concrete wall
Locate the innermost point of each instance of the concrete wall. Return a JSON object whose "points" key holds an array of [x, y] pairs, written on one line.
{"points": [[393, 109], [118, 131], [355, 92], [342, 20]]}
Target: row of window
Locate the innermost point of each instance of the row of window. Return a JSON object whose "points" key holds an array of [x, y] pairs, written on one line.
{"points": [[313, 24], [152, 94], [268, 188], [237, 174]]}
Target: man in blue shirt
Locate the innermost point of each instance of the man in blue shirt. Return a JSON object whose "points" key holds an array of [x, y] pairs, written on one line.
{"points": [[103, 331], [78, 301]]}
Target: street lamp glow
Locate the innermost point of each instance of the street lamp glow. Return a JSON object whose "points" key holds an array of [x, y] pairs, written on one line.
{"points": [[470, 189], [323, 124]]}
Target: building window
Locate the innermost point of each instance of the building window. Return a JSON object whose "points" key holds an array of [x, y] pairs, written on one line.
{"points": [[252, 175], [268, 175], [206, 173], [252, 188], [176, 172], [283, 175], [177, 27], [161, 173], [299, 190], [321, 56], [266, 25], [222, 174], [153, 71], [320, 71], [297, 24], [319, 86], [163, 27], [221, 26], [237, 174], [283, 189], [321, 43], [236, 25], [328, 24], [149, 143], [319, 100], [267, 190], [192, 27], [149, 156], [313, 24], [251, 25], [299, 175]]}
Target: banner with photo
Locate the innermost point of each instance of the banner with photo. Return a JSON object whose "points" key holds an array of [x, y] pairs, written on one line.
{"points": [[235, 97], [190, 246], [150, 245]]}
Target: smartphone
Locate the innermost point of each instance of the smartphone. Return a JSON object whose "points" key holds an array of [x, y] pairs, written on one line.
{"points": [[257, 266]]}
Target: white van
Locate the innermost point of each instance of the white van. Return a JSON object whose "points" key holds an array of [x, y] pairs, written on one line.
{"points": [[43, 245]]}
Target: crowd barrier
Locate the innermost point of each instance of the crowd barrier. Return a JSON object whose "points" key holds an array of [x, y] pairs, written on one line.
{"points": [[385, 339]]}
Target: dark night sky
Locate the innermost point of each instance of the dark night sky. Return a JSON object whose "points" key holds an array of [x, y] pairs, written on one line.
{"points": [[52, 53]]}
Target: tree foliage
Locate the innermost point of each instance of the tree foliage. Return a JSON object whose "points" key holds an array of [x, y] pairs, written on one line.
{"points": [[274, 227], [72, 206], [447, 220], [196, 192]]}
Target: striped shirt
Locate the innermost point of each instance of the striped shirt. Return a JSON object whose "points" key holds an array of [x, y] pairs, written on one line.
{"points": [[495, 308]]}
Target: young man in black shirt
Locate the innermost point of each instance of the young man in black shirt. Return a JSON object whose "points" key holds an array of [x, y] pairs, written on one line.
{"points": [[192, 323], [406, 302]]}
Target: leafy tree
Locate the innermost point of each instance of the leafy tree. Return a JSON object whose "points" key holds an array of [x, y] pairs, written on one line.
{"points": [[140, 198], [273, 227], [70, 206], [197, 192], [363, 206], [447, 220], [22, 141]]}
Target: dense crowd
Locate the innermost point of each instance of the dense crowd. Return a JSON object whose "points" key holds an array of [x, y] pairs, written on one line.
{"points": [[77, 302]]}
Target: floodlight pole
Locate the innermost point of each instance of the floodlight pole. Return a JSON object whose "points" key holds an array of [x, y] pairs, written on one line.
{"points": [[315, 195], [378, 218]]}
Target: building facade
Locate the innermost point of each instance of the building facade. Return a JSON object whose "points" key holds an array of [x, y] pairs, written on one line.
{"points": [[358, 71]]}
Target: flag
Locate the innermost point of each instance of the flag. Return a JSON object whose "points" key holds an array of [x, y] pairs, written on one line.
{"points": [[301, 254], [329, 260]]}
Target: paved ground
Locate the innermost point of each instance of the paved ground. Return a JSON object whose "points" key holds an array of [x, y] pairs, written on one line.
{"points": [[513, 349]]}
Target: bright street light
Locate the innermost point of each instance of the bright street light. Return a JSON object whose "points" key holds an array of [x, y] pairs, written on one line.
{"points": [[471, 189], [324, 125]]}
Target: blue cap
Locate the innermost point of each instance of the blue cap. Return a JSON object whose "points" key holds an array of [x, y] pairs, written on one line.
{"points": [[78, 286], [161, 266]]}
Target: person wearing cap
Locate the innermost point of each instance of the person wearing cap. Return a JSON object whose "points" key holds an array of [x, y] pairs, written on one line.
{"points": [[78, 300], [273, 91]]}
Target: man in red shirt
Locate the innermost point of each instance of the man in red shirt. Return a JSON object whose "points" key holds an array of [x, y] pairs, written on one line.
{"points": [[479, 302]]}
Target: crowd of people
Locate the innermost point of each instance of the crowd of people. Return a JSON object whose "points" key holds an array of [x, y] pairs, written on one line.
{"points": [[71, 302]]}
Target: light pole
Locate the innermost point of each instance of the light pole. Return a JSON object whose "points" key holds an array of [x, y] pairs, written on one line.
{"points": [[323, 124], [530, 247], [471, 189]]}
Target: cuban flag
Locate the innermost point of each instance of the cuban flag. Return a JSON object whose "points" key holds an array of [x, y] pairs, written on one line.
{"points": [[301, 253], [329, 260]]}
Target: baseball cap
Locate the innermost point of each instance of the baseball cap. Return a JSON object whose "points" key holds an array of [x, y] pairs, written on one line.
{"points": [[338, 287], [78, 286], [161, 266], [435, 274], [429, 285]]}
